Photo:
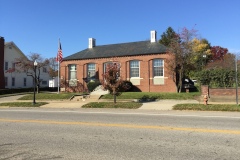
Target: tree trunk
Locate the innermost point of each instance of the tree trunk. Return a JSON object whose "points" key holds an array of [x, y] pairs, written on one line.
{"points": [[114, 95], [180, 80], [37, 88], [115, 98]]}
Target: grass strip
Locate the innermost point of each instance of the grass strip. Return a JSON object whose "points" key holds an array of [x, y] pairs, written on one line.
{"points": [[210, 107], [48, 96], [125, 105], [153, 95], [23, 104]]}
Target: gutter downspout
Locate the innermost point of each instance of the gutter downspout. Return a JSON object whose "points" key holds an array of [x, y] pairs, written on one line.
{"points": [[83, 78], [148, 76], [65, 81]]}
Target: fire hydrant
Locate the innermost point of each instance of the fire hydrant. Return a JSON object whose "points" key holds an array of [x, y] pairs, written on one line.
{"points": [[205, 99]]}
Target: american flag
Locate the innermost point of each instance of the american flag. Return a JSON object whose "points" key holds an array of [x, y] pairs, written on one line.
{"points": [[59, 54]]}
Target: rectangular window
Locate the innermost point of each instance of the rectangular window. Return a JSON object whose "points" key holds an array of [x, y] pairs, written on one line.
{"points": [[72, 75], [6, 66], [44, 70], [6, 81], [72, 72], [44, 82], [13, 81], [158, 68], [24, 82], [91, 70], [134, 69]]}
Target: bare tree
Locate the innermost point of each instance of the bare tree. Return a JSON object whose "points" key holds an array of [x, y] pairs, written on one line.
{"points": [[180, 51], [26, 65], [53, 67]]}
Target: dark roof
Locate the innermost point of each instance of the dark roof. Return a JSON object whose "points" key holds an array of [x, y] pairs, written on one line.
{"points": [[119, 50]]}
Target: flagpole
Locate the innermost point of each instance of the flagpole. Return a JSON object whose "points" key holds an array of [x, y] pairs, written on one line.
{"points": [[59, 59], [58, 63], [58, 77]]}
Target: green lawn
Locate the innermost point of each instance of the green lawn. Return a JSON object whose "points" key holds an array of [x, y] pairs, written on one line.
{"points": [[23, 104], [48, 96], [125, 105], [210, 107], [124, 95], [154, 95]]}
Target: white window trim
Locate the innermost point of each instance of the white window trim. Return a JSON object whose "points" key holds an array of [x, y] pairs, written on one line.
{"points": [[69, 70], [138, 70], [163, 69], [136, 78], [92, 69]]}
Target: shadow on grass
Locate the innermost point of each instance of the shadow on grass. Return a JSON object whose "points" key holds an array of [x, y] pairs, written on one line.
{"points": [[147, 98]]}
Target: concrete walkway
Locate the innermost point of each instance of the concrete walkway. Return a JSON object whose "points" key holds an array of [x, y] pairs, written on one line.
{"points": [[165, 104]]}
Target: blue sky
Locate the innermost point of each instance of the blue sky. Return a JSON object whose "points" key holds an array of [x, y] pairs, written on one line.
{"points": [[36, 25]]}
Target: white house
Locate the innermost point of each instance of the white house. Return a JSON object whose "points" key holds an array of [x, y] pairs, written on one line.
{"points": [[15, 79]]}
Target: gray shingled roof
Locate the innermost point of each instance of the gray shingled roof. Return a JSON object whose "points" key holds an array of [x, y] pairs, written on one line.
{"points": [[119, 50]]}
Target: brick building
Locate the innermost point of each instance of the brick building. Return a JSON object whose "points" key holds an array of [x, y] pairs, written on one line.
{"points": [[142, 63]]}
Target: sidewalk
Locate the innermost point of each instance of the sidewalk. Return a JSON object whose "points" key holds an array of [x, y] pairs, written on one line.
{"points": [[79, 102], [156, 105], [165, 104]]}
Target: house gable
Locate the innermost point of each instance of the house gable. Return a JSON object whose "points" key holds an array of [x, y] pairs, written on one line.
{"points": [[11, 50]]}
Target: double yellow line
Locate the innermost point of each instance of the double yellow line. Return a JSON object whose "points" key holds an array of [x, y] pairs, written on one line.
{"points": [[125, 126]]}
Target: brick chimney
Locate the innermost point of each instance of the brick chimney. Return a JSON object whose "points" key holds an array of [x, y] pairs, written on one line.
{"points": [[2, 79], [91, 42], [153, 35]]}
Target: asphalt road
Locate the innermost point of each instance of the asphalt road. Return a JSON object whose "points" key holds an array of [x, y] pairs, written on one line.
{"points": [[118, 134]]}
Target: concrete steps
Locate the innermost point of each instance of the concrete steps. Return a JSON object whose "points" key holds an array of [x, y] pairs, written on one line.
{"points": [[92, 97]]}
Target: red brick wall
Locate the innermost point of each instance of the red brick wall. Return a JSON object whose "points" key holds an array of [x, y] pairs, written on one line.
{"points": [[146, 72], [2, 79], [223, 92], [219, 91], [205, 90]]}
